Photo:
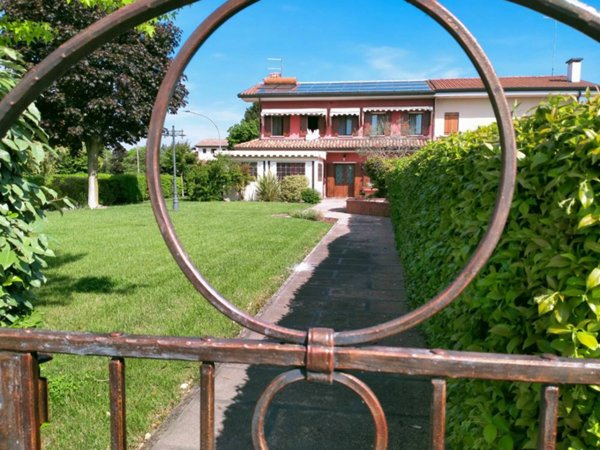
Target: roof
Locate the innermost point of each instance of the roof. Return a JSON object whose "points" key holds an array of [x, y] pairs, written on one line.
{"points": [[374, 143], [212, 143], [542, 83], [417, 87], [338, 88]]}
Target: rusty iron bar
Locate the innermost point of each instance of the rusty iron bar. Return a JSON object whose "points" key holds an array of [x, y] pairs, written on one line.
{"points": [[294, 376], [320, 355], [118, 422], [547, 369], [438, 415], [207, 406], [548, 418]]}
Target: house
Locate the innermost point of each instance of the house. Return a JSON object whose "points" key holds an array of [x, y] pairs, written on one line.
{"points": [[324, 129], [207, 149]]}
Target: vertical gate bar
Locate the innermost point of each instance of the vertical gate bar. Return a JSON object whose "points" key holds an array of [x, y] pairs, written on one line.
{"points": [[207, 406], [548, 418], [19, 402], [118, 424], [438, 415]]}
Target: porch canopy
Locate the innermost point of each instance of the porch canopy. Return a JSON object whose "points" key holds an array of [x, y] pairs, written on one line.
{"points": [[265, 154], [398, 108], [345, 112]]}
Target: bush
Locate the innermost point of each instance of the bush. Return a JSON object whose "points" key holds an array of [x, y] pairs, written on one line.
{"points": [[540, 292], [311, 196], [214, 180], [113, 189], [308, 214], [377, 169], [22, 203], [268, 188], [292, 187]]}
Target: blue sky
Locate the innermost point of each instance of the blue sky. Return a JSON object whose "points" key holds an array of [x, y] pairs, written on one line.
{"points": [[362, 40]]}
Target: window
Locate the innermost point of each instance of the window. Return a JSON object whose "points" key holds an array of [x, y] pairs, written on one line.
{"points": [[286, 169], [204, 150], [450, 123], [251, 168], [415, 124], [277, 126], [379, 124], [345, 125], [320, 173], [312, 123]]}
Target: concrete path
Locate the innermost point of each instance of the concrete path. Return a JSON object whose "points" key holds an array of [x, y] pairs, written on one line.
{"points": [[352, 279]]}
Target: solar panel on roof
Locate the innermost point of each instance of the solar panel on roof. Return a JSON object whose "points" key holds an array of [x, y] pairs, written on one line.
{"points": [[349, 87]]}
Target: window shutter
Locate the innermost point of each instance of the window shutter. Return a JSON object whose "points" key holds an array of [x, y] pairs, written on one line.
{"points": [[387, 126], [322, 126], [303, 125], [335, 126], [426, 124], [354, 125], [267, 123], [286, 126], [450, 123], [367, 126]]}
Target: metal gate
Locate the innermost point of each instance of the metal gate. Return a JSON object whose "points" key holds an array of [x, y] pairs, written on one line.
{"points": [[318, 355]]}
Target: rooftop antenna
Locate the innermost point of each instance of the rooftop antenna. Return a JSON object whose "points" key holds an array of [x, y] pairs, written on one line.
{"points": [[279, 69], [554, 44]]}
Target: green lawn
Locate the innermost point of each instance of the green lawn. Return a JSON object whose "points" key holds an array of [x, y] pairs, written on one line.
{"points": [[113, 273]]}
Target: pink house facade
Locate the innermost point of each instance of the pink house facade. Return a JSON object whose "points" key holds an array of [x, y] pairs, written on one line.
{"points": [[325, 130]]}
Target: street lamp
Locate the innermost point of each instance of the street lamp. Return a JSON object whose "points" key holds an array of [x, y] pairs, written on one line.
{"points": [[174, 133], [210, 120]]}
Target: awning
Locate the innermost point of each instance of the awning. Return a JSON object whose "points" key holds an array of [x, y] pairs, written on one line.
{"points": [[294, 112], [399, 108], [345, 112], [266, 154]]}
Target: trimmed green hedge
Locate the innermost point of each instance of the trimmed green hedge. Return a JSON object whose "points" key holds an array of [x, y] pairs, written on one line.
{"points": [[540, 292], [113, 189]]}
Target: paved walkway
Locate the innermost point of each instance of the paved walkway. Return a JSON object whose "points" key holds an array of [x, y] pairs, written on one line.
{"points": [[352, 279]]}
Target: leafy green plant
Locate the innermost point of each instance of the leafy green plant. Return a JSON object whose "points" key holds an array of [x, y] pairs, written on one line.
{"points": [[540, 292], [377, 169], [268, 188], [214, 180], [311, 196], [22, 248], [292, 187]]}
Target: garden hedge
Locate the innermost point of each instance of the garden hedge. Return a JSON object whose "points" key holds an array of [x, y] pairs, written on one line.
{"points": [[113, 189], [540, 292]]}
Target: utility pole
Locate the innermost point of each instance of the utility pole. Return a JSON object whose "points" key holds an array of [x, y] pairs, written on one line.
{"points": [[173, 133]]}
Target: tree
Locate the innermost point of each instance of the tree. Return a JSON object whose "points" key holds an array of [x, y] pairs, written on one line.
{"points": [[247, 129], [185, 158], [106, 99]]}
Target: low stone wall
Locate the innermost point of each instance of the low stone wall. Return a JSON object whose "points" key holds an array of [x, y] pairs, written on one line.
{"points": [[368, 206]]}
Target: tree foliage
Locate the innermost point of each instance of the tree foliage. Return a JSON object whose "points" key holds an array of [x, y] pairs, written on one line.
{"points": [[540, 291], [247, 129], [22, 247], [107, 98], [185, 158], [216, 179]]}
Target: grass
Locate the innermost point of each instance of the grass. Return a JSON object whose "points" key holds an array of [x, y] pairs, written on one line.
{"points": [[113, 273]]}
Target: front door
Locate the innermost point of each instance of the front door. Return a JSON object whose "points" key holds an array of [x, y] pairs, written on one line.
{"points": [[341, 180]]}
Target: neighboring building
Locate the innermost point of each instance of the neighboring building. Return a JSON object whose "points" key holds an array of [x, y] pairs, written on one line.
{"points": [[207, 149], [320, 129]]}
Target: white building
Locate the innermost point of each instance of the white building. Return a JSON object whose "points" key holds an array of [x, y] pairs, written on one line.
{"points": [[207, 149]]}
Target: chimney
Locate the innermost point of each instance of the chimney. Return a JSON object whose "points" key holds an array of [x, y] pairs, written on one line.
{"points": [[574, 70]]}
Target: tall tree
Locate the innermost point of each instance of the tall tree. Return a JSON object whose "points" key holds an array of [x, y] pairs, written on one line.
{"points": [[107, 98], [247, 129]]}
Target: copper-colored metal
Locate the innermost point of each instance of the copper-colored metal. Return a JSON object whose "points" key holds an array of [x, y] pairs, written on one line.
{"points": [[319, 355], [207, 406], [19, 402], [548, 418], [438, 415], [118, 422], [43, 414], [294, 376]]}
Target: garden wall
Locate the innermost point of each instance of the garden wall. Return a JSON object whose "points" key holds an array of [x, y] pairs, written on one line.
{"points": [[540, 292]]}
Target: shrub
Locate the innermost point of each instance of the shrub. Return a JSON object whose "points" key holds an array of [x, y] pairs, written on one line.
{"points": [[540, 292], [292, 187], [215, 179], [377, 169], [22, 248], [308, 214], [268, 188], [311, 196]]}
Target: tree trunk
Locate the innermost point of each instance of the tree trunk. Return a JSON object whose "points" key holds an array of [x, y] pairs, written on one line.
{"points": [[93, 146]]}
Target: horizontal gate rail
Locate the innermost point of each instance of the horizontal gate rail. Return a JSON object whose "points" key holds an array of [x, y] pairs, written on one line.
{"points": [[547, 369]]}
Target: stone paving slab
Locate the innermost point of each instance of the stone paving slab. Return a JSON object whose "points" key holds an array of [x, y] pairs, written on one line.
{"points": [[352, 279]]}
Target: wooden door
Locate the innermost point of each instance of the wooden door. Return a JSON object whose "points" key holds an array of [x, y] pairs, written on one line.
{"points": [[340, 182]]}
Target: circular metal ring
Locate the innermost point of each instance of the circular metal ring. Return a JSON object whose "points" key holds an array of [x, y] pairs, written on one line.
{"points": [[294, 376], [38, 79]]}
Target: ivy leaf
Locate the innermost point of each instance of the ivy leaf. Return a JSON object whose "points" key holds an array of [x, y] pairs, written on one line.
{"points": [[586, 194], [593, 279], [587, 339]]}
